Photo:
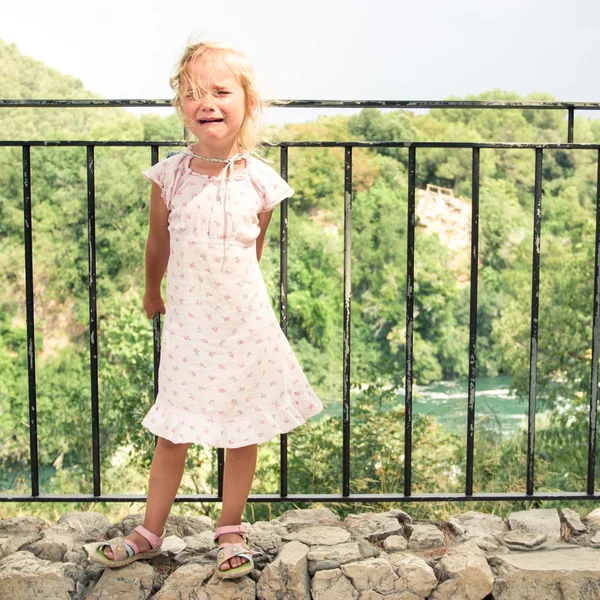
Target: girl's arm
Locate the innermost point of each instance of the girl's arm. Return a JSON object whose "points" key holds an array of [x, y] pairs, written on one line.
{"points": [[157, 252], [263, 221]]}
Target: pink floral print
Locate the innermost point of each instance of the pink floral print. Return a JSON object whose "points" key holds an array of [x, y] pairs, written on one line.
{"points": [[224, 358]]}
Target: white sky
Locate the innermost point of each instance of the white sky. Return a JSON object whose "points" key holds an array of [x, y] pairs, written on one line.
{"points": [[323, 49]]}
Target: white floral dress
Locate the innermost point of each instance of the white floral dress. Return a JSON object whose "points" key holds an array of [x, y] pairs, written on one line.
{"points": [[227, 376]]}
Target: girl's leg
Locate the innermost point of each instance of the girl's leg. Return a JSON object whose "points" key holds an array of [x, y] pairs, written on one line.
{"points": [[165, 476], [240, 464]]}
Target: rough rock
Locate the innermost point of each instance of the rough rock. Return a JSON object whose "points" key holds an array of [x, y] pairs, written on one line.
{"points": [[16, 533], [88, 526], [367, 550], [424, 536], [518, 540], [21, 525], [483, 529], [25, 577], [374, 574], [291, 567], [464, 574], [544, 521], [173, 545], [395, 543], [332, 585], [56, 541], [321, 535], [195, 545], [572, 521], [342, 563], [267, 537], [564, 574], [396, 513], [416, 579], [374, 527], [327, 557], [294, 519], [229, 589], [486, 544], [595, 540], [593, 519], [193, 582], [134, 582]]}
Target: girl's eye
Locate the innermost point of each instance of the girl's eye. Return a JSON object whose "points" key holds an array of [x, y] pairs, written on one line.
{"points": [[221, 92]]}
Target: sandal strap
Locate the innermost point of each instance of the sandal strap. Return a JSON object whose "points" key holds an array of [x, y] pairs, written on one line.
{"points": [[133, 546], [227, 551], [154, 540], [118, 547], [239, 529]]}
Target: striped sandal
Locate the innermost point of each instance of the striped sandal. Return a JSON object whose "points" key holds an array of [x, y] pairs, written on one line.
{"points": [[229, 550], [126, 552]]}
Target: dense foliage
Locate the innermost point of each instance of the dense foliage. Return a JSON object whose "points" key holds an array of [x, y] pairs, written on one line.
{"points": [[316, 225]]}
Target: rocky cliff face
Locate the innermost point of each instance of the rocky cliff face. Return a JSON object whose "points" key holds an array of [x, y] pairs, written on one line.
{"points": [[440, 212]]}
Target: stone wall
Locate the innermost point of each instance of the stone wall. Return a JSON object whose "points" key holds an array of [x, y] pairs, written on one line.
{"points": [[312, 554]]}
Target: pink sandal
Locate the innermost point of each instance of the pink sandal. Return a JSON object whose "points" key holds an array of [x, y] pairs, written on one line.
{"points": [[229, 550], [126, 552]]}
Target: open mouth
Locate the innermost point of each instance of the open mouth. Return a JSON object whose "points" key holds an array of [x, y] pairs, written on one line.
{"points": [[205, 121]]}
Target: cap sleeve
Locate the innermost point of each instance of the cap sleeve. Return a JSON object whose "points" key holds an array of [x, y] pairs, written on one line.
{"points": [[164, 174], [272, 188]]}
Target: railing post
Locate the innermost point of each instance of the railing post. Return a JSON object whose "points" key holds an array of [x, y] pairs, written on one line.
{"points": [[535, 304], [410, 301], [473, 321], [33, 439], [595, 349], [283, 318], [347, 315], [91, 197]]}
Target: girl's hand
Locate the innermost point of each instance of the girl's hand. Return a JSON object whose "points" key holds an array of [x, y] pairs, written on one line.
{"points": [[153, 305]]}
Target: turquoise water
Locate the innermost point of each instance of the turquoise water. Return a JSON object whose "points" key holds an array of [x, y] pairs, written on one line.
{"points": [[18, 477], [495, 407]]}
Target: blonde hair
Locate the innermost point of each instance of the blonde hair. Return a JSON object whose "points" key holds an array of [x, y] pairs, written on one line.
{"points": [[182, 84]]}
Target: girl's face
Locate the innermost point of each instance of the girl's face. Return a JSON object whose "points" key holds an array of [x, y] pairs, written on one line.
{"points": [[214, 113]]}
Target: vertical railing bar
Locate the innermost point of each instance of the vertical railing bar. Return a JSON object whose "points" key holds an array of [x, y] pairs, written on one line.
{"points": [[347, 318], [570, 125], [410, 296], [29, 307], [535, 298], [595, 343], [283, 314], [473, 321], [156, 319], [220, 470], [91, 197]]}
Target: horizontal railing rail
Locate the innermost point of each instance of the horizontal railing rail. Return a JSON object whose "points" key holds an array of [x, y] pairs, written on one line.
{"points": [[569, 107], [412, 147]]}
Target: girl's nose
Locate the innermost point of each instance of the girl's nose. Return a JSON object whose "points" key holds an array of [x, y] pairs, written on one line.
{"points": [[206, 102]]}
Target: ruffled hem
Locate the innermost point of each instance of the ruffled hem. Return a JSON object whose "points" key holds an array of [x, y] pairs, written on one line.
{"points": [[183, 429]]}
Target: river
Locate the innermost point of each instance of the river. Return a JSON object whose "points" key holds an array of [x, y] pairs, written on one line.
{"points": [[495, 406]]}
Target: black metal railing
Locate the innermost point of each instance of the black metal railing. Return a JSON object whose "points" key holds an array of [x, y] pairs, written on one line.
{"points": [[412, 147]]}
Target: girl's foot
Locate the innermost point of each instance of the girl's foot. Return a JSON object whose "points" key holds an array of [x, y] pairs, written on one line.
{"points": [[236, 561], [141, 542]]}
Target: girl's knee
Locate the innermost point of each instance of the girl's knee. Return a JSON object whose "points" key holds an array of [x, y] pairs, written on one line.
{"points": [[242, 450], [169, 445]]}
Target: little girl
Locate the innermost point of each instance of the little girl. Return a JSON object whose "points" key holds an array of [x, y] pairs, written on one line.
{"points": [[228, 377]]}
